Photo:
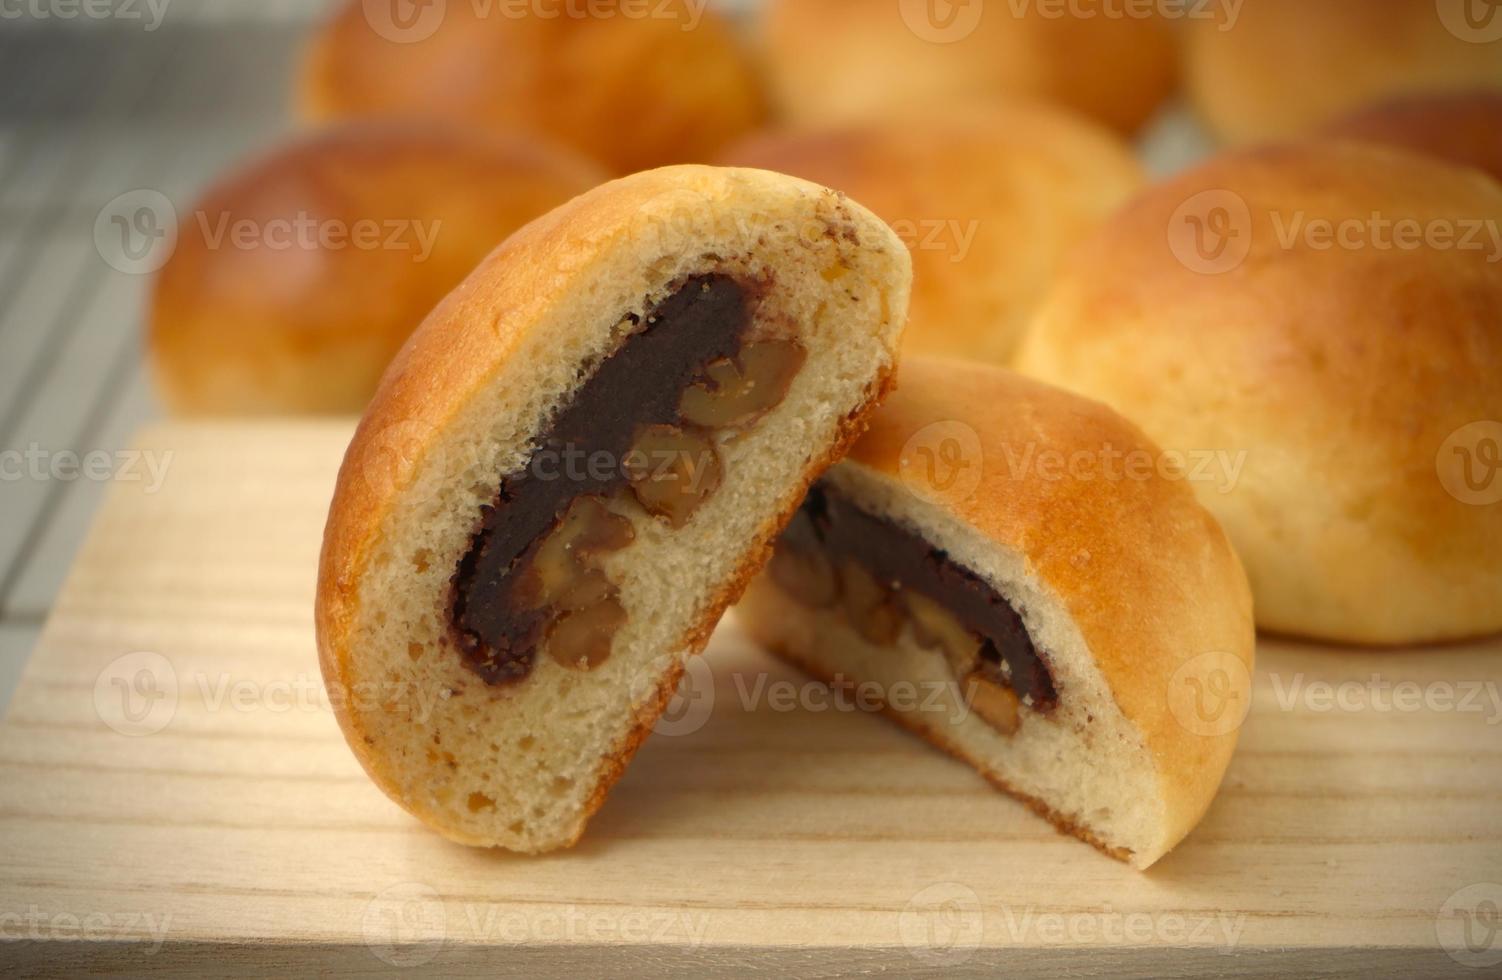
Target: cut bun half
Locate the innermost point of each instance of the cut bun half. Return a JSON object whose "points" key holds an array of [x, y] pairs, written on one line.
{"points": [[571, 470], [1009, 565]]}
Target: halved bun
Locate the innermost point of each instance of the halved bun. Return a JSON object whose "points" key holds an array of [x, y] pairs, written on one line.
{"points": [[497, 740], [1057, 511]]}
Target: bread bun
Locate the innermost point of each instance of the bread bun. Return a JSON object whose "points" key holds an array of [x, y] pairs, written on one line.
{"points": [[1276, 68], [1463, 128], [295, 280], [841, 60], [1319, 327], [632, 88], [571, 470], [986, 201], [1040, 600]]}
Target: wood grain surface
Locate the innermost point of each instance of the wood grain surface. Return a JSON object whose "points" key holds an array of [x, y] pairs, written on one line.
{"points": [[175, 796]]}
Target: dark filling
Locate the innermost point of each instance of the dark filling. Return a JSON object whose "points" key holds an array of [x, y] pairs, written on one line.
{"points": [[581, 453], [829, 522]]}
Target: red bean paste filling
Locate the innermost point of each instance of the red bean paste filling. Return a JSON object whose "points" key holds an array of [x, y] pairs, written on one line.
{"points": [[830, 522], [704, 320]]}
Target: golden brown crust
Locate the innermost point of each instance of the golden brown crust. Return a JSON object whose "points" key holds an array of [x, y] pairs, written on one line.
{"points": [[355, 233], [987, 201], [1146, 573], [632, 92], [837, 60], [1281, 67], [1463, 128], [1333, 376]]}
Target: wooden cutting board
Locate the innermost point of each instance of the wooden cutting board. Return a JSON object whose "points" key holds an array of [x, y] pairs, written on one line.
{"points": [[175, 795]]}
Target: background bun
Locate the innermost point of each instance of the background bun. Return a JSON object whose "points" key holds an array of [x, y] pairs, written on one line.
{"points": [[834, 60], [633, 91], [1462, 127], [1347, 371], [986, 201], [295, 280], [1283, 66]]}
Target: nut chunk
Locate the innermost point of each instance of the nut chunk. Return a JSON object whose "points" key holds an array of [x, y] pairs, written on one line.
{"points": [[582, 640], [673, 470], [563, 571], [740, 391]]}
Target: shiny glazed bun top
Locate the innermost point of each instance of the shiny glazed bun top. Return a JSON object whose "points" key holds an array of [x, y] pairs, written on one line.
{"points": [[835, 60], [1276, 68], [634, 86], [1318, 328], [1464, 128], [295, 279], [987, 201]]}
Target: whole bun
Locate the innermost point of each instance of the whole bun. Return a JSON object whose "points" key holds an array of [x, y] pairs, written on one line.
{"points": [[1318, 329], [1462, 127], [1276, 68], [835, 60], [295, 280], [986, 201], [633, 90]]}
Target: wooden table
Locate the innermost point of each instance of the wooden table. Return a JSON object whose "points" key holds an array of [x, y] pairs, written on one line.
{"points": [[222, 824]]}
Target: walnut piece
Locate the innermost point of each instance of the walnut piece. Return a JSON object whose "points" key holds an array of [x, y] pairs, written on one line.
{"points": [[997, 705], [673, 471], [563, 571], [869, 604], [582, 640], [740, 391]]}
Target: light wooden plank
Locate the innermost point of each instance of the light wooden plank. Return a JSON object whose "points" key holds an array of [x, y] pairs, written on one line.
{"points": [[245, 830]]}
